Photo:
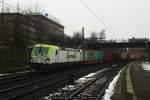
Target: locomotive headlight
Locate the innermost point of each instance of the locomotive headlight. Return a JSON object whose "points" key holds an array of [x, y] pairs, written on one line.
{"points": [[47, 61], [31, 59]]}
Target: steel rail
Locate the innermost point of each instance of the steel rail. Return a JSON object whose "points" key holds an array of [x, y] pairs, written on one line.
{"points": [[55, 81], [99, 97], [4, 93], [26, 85], [78, 91]]}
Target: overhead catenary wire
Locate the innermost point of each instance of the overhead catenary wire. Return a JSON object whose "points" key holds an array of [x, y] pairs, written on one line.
{"points": [[101, 12], [97, 17], [98, 8]]}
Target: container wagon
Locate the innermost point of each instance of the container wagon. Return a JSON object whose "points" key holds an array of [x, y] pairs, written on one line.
{"points": [[135, 53], [107, 55], [93, 56]]}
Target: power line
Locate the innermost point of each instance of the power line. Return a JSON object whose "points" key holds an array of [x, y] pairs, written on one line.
{"points": [[95, 15], [101, 12]]}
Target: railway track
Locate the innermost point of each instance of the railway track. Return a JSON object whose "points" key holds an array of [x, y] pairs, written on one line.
{"points": [[76, 93], [90, 90], [11, 75], [23, 89], [30, 85], [15, 79], [81, 93], [15, 74]]}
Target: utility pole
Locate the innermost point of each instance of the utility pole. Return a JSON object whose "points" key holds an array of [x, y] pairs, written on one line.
{"points": [[83, 41], [2, 5], [147, 49], [83, 34], [2, 21], [18, 8]]}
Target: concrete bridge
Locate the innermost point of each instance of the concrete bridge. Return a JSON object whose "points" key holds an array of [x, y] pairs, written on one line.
{"points": [[116, 45]]}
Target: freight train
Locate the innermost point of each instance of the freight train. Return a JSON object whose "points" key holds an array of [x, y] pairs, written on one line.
{"points": [[45, 56]]}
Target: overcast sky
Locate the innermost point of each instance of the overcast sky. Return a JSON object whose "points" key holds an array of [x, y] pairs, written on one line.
{"points": [[121, 18]]}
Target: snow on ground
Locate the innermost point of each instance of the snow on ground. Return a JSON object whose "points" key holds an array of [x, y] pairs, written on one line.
{"points": [[4, 74], [110, 90], [79, 82], [88, 77], [146, 66], [114, 65], [69, 87], [85, 78], [21, 72]]}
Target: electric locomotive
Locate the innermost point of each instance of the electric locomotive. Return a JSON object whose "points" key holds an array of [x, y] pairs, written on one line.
{"points": [[45, 56]]}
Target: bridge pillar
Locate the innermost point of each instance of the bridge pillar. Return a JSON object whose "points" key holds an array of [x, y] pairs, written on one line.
{"points": [[147, 47], [148, 52]]}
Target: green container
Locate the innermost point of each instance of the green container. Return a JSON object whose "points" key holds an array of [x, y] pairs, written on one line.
{"points": [[99, 55]]}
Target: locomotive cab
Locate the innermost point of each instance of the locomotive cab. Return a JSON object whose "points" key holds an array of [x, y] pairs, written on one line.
{"points": [[44, 54]]}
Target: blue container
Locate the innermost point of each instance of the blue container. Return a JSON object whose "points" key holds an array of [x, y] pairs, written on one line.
{"points": [[99, 55]]}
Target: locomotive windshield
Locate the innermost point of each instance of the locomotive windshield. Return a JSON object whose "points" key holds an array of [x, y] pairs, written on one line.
{"points": [[40, 50]]}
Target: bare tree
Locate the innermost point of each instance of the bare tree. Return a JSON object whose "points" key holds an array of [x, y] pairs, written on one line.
{"points": [[102, 35], [93, 37], [77, 38]]}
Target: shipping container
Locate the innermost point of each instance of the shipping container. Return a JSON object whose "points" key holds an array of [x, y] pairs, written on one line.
{"points": [[99, 56], [116, 56], [124, 55], [136, 53], [89, 56], [107, 55]]}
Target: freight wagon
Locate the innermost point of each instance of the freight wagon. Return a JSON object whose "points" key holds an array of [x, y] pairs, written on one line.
{"points": [[124, 55], [107, 55], [93, 56], [135, 53]]}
